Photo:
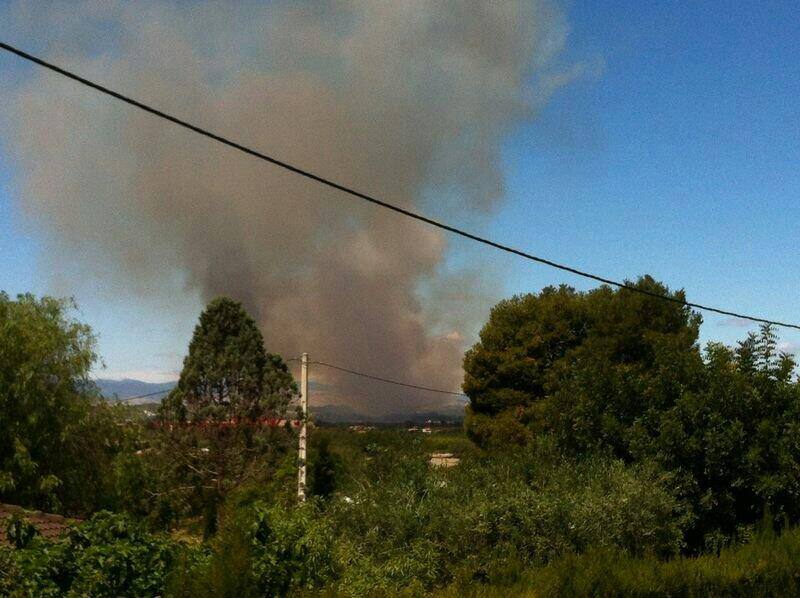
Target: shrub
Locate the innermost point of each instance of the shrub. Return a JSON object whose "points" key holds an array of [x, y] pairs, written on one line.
{"points": [[109, 555], [404, 527], [264, 551], [416, 527], [19, 531], [768, 566]]}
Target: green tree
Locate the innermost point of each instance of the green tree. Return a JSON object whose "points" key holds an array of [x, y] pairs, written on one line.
{"points": [[57, 436], [213, 419], [324, 467], [736, 441], [583, 366], [621, 372], [228, 375]]}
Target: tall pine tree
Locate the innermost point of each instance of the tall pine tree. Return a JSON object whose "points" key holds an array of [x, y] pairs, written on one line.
{"points": [[228, 375]]}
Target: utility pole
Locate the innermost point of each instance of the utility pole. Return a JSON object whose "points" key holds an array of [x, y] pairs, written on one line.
{"points": [[301, 448]]}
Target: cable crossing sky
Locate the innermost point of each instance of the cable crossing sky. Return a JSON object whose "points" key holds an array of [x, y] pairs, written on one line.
{"points": [[387, 380], [149, 394], [379, 378], [389, 206], [334, 367]]}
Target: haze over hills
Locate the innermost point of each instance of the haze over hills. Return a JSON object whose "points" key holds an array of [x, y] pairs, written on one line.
{"points": [[334, 414], [343, 414], [127, 387]]}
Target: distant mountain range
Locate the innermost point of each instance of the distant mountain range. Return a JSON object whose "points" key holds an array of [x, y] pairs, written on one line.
{"points": [[115, 390], [342, 414], [127, 388]]}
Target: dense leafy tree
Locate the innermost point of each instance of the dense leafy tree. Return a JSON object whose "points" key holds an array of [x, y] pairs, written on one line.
{"points": [[622, 372], [57, 437], [737, 441], [584, 366]]}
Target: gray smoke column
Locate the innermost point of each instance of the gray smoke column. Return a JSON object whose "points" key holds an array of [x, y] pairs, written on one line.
{"points": [[408, 100]]}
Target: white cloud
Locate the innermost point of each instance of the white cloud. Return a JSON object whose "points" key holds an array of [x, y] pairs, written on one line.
{"points": [[736, 322]]}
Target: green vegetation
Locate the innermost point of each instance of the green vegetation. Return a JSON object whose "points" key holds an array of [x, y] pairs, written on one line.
{"points": [[605, 453], [58, 439], [769, 565], [109, 555], [622, 372], [228, 375]]}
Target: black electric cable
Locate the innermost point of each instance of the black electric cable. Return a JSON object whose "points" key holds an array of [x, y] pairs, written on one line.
{"points": [[340, 187], [387, 380]]}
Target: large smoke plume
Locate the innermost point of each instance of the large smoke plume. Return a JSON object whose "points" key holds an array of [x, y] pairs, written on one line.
{"points": [[409, 101]]}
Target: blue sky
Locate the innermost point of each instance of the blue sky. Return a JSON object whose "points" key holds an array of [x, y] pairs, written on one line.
{"points": [[677, 155], [679, 160]]}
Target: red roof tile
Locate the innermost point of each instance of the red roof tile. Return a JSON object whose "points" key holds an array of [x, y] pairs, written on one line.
{"points": [[47, 524]]}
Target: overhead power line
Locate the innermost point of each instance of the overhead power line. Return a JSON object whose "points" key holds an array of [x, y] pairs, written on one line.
{"points": [[363, 196], [149, 394], [122, 400], [331, 366], [379, 378], [387, 380]]}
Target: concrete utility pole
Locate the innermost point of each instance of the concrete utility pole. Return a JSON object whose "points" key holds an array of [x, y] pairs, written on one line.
{"points": [[301, 448]]}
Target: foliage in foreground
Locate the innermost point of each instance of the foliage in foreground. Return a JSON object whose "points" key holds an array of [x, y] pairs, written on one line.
{"points": [[495, 525], [769, 565], [631, 446], [405, 527], [58, 439], [109, 555], [619, 371], [401, 526]]}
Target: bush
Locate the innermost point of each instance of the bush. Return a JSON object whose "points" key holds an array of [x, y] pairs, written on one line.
{"points": [[404, 527], [528, 521], [264, 551], [767, 566], [19, 531], [109, 555], [415, 527]]}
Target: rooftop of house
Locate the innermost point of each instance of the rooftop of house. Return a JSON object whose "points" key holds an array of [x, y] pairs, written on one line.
{"points": [[47, 524]]}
